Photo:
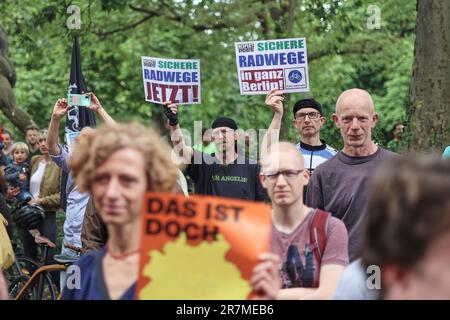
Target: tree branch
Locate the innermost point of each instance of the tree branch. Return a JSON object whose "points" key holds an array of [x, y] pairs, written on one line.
{"points": [[217, 26], [125, 28], [138, 9], [332, 49], [291, 16]]}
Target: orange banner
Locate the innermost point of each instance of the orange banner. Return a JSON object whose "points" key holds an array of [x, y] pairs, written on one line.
{"points": [[200, 247]]}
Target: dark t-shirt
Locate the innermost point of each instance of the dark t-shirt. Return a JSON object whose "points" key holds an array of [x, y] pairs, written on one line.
{"points": [[239, 180], [340, 186]]}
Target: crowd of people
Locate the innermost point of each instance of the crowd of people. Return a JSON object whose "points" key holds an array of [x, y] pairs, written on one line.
{"points": [[335, 213]]}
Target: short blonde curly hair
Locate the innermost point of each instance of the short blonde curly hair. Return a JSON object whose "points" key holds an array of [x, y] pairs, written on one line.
{"points": [[93, 149]]}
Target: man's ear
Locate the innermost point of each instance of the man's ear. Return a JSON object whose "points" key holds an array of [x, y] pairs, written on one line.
{"points": [[296, 124], [374, 119], [306, 177], [262, 179], [322, 120], [335, 119]]}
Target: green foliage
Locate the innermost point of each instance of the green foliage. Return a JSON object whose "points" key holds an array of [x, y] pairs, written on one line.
{"points": [[343, 53]]}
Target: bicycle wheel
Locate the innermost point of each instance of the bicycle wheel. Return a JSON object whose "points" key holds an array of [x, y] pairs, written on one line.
{"points": [[28, 267], [22, 266], [17, 285]]}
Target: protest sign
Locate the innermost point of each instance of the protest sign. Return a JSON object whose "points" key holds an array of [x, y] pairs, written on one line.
{"points": [[171, 80], [200, 247], [273, 64]]}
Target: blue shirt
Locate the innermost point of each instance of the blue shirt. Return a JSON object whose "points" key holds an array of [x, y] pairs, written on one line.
{"points": [[92, 281], [353, 284], [76, 201], [315, 155]]}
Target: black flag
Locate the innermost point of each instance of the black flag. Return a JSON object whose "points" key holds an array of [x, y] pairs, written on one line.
{"points": [[77, 117]]}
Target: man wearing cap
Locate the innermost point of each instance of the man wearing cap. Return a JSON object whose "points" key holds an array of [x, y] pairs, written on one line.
{"points": [[224, 173], [308, 120]]}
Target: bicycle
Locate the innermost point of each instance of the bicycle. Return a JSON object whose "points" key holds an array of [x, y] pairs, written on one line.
{"points": [[34, 280], [41, 275], [30, 279]]}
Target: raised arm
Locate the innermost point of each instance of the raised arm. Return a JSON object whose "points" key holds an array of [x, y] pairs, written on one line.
{"points": [[274, 101], [59, 111], [176, 136], [99, 110]]}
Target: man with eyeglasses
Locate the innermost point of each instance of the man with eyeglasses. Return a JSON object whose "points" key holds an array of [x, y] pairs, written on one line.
{"points": [[225, 173], [304, 273], [308, 120], [340, 185]]}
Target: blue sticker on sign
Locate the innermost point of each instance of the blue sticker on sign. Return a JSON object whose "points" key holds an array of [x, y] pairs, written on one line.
{"points": [[295, 76]]}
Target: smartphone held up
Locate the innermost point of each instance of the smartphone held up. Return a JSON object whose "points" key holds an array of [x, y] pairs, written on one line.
{"points": [[82, 100]]}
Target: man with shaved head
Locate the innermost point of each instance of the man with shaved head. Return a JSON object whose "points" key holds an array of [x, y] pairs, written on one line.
{"points": [[339, 185], [305, 274]]}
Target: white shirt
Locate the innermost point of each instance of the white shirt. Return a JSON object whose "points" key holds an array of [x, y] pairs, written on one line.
{"points": [[35, 181]]}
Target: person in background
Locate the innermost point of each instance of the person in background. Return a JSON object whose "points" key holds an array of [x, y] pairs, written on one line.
{"points": [[31, 132], [7, 144], [16, 173], [76, 200], [207, 146], [226, 173], [397, 133], [45, 190], [117, 165], [308, 121]]}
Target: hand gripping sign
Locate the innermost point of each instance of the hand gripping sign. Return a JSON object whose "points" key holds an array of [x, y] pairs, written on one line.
{"points": [[200, 247], [273, 64], [171, 80]]}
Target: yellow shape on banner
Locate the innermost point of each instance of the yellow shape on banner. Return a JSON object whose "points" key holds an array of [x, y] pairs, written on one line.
{"points": [[188, 272]]}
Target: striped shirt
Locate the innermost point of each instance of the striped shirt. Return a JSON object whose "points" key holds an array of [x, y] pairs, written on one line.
{"points": [[315, 155]]}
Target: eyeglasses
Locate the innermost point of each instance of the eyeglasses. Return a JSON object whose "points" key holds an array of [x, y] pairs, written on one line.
{"points": [[223, 133], [288, 174], [311, 115]]}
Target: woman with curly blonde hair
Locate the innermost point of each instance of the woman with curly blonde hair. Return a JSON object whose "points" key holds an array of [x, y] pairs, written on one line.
{"points": [[117, 165]]}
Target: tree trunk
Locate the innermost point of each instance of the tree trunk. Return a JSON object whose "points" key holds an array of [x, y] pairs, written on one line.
{"points": [[429, 109], [7, 81]]}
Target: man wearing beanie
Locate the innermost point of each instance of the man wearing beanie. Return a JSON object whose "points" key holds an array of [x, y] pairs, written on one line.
{"points": [[224, 173], [308, 120]]}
